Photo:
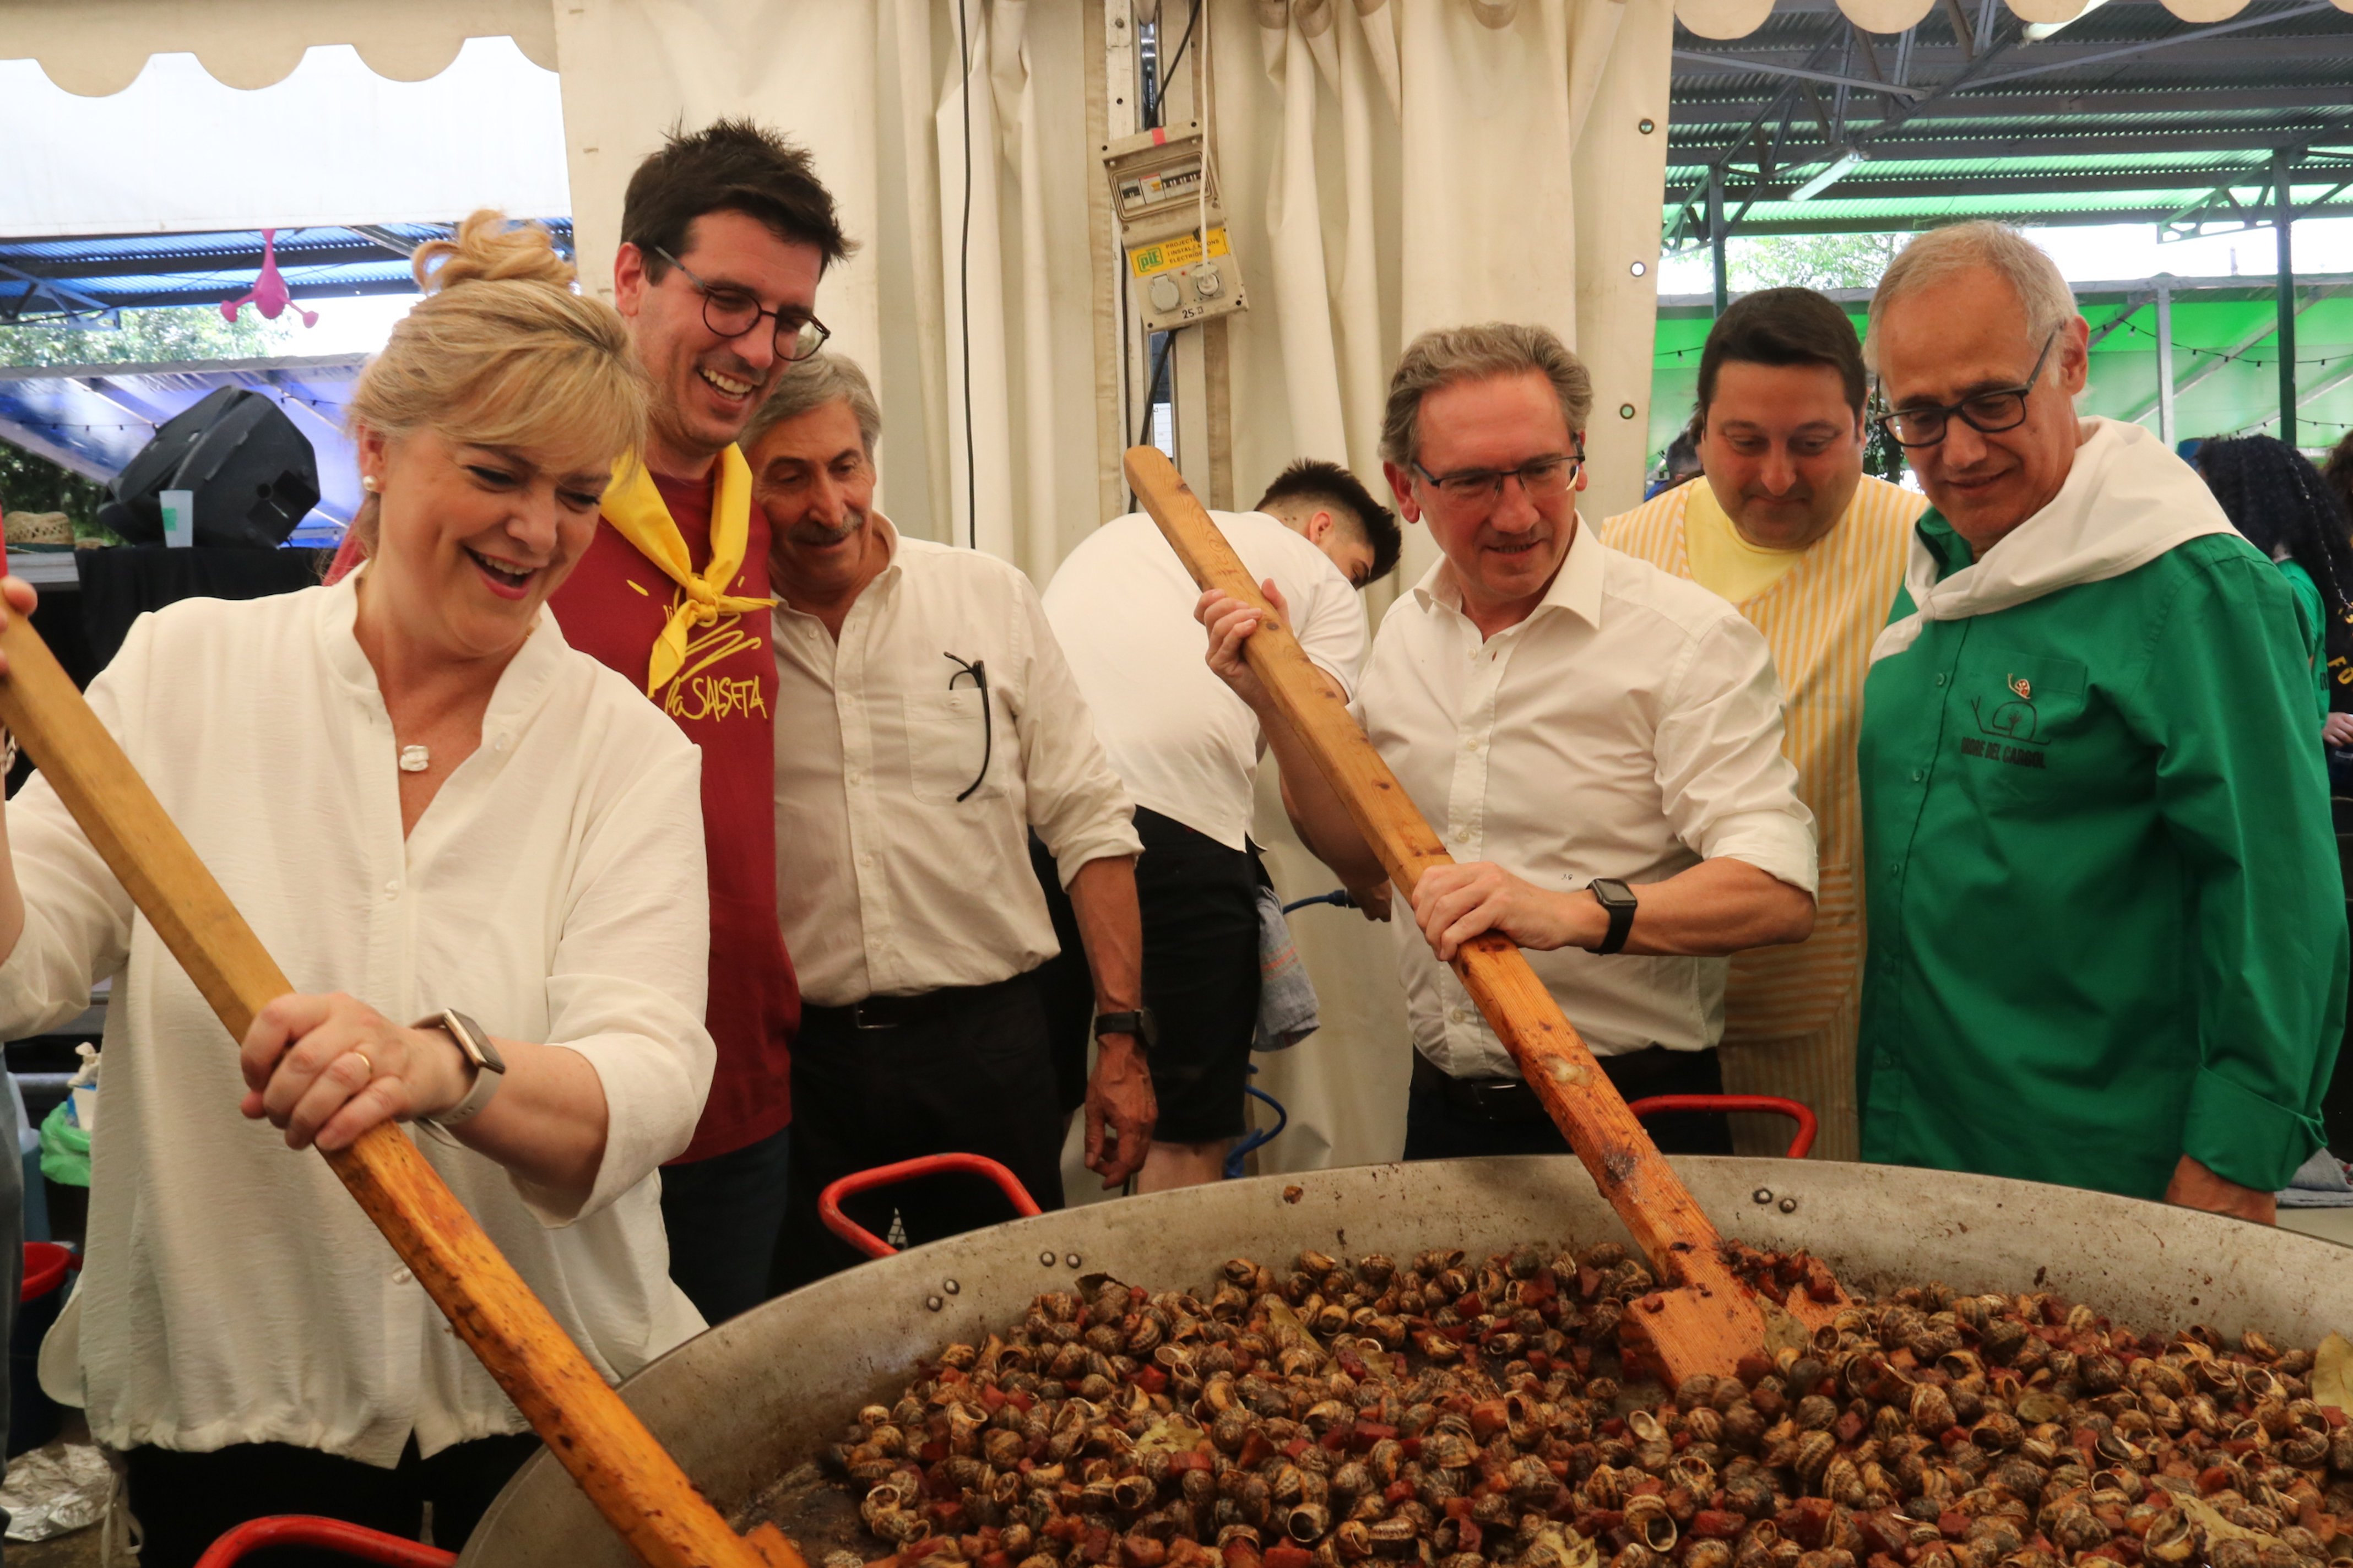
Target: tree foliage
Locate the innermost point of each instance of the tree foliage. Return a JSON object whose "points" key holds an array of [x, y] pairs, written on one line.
{"points": [[1811, 260], [148, 337]]}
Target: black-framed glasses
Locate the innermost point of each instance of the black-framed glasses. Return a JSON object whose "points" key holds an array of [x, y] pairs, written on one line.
{"points": [[1988, 413], [1541, 479], [732, 312], [978, 671]]}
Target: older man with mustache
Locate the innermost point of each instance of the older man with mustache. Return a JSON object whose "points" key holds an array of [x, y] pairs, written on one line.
{"points": [[927, 722], [2108, 943], [1786, 525]]}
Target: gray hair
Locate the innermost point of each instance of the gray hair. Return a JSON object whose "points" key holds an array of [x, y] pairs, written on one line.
{"points": [[811, 384], [1942, 253], [1452, 354]]}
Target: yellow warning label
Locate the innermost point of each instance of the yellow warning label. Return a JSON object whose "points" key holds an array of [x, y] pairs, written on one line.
{"points": [[1184, 250]]}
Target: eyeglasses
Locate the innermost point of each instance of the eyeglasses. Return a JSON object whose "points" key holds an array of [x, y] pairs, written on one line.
{"points": [[1988, 413], [978, 669], [732, 312], [1540, 480]]}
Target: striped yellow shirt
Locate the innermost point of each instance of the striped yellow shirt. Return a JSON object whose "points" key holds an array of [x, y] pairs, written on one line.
{"points": [[1819, 618]]}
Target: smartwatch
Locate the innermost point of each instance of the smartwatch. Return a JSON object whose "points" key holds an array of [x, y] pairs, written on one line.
{"points": [[489, 1067], [1139, 1024], [1618, 899]]}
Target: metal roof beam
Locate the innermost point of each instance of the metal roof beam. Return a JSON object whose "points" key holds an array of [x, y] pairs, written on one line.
{"points": [[2142, 104], [2065, 142], [2306, 300], [1692, 56], [43, 446], [41, 297], [1865, 185], [2325, 384], [1881, 223], [2282, 48]]}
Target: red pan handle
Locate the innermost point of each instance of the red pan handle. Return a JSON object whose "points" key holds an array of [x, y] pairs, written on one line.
{"points": [[828, 1201], [1794, 1110], [330, 1534]]}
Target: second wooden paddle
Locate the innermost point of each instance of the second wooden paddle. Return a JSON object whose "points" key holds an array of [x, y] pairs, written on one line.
{"points": [[629, 1477], [1705, 1319]]}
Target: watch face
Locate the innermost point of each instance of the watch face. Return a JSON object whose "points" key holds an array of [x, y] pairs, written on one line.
{"points": [[475, 1041]]}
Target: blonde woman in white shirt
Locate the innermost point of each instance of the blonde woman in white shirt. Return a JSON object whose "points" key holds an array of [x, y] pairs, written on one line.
{"points": [[430, 808]]}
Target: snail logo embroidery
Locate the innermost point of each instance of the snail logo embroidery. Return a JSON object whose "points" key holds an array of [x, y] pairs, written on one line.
{"points": [[2013, 732]]}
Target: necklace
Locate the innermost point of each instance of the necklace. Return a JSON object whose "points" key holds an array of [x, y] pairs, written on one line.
{"points": [[414, 759]]}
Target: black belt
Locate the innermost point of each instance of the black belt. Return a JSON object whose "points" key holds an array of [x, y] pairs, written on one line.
{"points": [[1502, 1100], [1510, 1100], [898, 1011]]}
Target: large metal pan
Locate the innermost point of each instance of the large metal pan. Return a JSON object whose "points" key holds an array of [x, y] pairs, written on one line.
{"points": [[744, 1403]]}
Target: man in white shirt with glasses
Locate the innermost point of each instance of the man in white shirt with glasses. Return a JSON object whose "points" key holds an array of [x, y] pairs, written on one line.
{"points": [[1598, 742], [927, 722]]}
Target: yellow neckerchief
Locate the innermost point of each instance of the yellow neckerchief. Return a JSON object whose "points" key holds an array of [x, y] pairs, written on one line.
{"points": [[634, 509]]}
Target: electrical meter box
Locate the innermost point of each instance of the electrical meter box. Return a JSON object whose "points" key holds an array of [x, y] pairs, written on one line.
{"points": [[1156, 194]]}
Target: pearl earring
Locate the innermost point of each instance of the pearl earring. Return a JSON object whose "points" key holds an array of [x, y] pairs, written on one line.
{"points": [[368, 482]]}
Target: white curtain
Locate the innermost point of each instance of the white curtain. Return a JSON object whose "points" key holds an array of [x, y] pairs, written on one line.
{"points": [[891, 100]]}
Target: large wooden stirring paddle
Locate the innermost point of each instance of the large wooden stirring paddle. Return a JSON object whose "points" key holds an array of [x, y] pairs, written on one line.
{"points": [[1705, 1318], [629, 1477]]}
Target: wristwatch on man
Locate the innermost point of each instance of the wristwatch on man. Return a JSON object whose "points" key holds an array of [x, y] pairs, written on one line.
{"points": [[474, 1043], [1140, 1024], [1617, 899]]}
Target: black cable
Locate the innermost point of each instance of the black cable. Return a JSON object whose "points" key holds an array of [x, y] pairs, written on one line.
{"points": [[964, 289], [1152, 387], [1167, 69]]}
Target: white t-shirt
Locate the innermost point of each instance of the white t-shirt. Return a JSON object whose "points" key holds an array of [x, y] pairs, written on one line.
{"points": [[1122, 605]]}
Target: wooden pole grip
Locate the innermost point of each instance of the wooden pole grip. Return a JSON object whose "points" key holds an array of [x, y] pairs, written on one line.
{"points": [[632, 1480], [1666, 1223]]}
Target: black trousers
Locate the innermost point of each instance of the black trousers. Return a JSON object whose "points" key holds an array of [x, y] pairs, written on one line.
{"points": [[966, 1071], [723, 1215], [1439, 1123], [186, 1502]]}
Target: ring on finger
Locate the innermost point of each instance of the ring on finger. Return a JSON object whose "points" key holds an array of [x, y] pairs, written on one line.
{"points": [[363, 1062]]}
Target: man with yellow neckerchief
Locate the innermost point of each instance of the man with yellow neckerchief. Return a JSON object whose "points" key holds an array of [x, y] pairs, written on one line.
{"points": [[726, 234], [1784, 523]]}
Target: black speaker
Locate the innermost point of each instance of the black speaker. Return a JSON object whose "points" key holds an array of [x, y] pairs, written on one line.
{"points": [[254, 476]]}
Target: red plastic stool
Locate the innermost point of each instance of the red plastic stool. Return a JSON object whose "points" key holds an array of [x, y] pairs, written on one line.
{"points": [[828, 1201], [1794, 1110], [330, 1534]]}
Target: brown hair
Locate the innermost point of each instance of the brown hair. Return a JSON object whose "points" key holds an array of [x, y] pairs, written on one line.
{"points": [[1452, 354], [502, 353], [729, 165]]}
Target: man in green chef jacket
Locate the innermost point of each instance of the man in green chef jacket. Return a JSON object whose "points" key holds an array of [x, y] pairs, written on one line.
{"points": [[2107, 940]]}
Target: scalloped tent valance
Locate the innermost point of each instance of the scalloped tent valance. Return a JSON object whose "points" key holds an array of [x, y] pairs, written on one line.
{"points": [[98, 47], [1738, 18]]}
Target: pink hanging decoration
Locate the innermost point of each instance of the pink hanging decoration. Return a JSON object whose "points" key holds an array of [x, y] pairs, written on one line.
{"points": [[268, 294]]}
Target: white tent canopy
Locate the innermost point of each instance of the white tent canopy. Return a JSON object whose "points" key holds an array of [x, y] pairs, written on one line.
{"points": [[333, 143]]}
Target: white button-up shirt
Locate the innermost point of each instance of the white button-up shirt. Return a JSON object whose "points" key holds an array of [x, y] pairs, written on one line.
{"points": [[1121, 603], [554, 890], [902, 809], [1631, 726]]}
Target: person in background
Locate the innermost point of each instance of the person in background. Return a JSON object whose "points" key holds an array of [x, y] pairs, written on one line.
{"points": [[1810, 550], [1187, 748], [926, 723], [2272, 494], [2107, 943], [1680, 465], [724, 236], [478, 852], [1598, 744], [2339, 471]]}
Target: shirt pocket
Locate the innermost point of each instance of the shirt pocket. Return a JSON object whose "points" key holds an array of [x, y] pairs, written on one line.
{"points": [[2019, 722], [954, 743]]}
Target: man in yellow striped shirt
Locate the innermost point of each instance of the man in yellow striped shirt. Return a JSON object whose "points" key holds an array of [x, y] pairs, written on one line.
{"points": [[1784, 523]]}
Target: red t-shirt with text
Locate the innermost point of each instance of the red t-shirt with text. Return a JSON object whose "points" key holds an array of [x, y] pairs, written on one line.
{"points": [[612, 607]]}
